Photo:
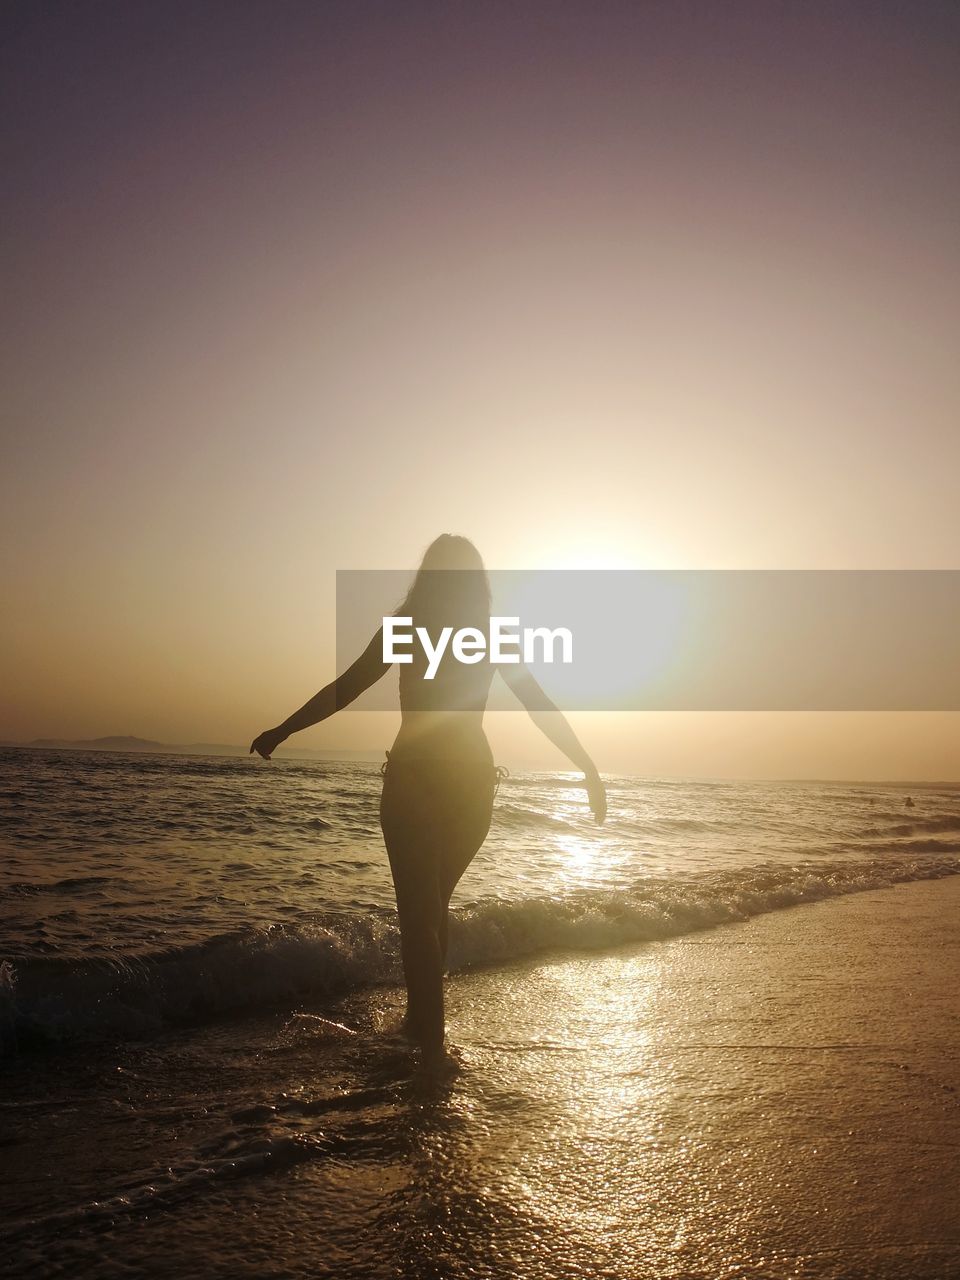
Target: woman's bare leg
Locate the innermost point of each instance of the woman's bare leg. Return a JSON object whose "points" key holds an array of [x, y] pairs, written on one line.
{"points": [[452, 868], [422, 957], [429, 850]]}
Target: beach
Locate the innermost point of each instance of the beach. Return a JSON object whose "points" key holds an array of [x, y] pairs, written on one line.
{"points": [[480, 556], [777, 1097], [479, 772]]}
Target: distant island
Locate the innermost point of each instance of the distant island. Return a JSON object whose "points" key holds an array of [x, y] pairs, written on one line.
{"points": [[145, 746]]}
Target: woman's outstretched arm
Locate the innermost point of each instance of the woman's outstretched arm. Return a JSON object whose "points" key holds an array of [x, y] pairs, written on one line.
{"points": [[367, 670], [551, 722]]}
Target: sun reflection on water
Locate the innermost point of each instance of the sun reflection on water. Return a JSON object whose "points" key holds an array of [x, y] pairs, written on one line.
{"points": [[579, 858]]}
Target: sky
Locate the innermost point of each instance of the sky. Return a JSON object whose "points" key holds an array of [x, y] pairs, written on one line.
{"points": [[294, 287]]}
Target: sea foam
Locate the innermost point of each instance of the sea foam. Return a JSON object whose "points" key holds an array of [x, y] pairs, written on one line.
{"points": [[58, 1001]]}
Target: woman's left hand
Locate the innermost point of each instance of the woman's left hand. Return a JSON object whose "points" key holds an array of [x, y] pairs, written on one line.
{"points": [[596, 795]]}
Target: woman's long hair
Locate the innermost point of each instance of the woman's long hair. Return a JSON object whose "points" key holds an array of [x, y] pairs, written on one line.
{"points": [[451, 587]]}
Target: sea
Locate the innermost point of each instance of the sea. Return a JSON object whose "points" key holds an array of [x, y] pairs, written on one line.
{"points": [[200, 981]]}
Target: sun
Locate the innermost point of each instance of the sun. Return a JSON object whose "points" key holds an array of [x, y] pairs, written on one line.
{"points": [[598, 544], [594, 559], [579, 552]]}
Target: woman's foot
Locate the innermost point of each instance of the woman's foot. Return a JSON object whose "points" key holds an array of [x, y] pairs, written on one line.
{"points": [[438, 1062]]}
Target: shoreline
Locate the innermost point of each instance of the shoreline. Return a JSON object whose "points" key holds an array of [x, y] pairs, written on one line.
{"points": [[51, 1004], [805, 1064], [777, 1097]]}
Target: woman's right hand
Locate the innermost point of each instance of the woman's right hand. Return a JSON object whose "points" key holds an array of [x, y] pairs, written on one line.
{"points": [[267, 743]]}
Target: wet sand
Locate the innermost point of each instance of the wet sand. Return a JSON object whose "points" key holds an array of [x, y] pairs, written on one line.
{"points": [[777, 1098]]}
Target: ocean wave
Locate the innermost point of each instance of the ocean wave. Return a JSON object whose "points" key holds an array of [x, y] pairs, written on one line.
{"points": [[900, 845], [656, 910], [516, 815], [920, 826], [169, 1187], [71, 884], [52, 1002]]}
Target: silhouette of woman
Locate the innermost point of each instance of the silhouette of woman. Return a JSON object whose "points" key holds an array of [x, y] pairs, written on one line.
{"points": [[439, 777]]}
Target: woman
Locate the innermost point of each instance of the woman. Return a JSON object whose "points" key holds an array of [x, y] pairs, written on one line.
{"points": [[439, 779]]}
